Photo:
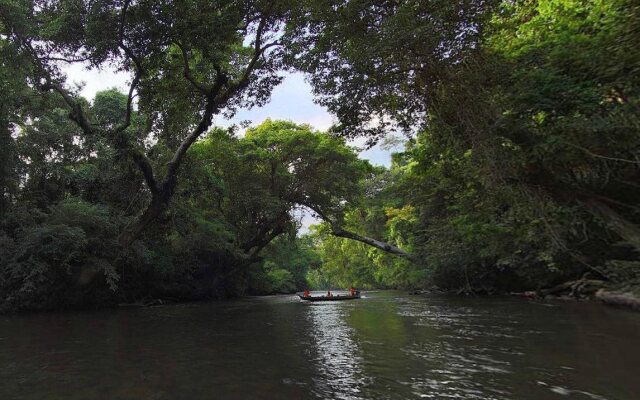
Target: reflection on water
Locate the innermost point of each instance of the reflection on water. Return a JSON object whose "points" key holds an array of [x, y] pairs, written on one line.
{"points": [[456, 365], [335, 354], [385, 346]]}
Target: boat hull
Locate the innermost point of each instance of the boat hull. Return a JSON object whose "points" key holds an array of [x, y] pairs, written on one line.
{"points": [[325, 298]]}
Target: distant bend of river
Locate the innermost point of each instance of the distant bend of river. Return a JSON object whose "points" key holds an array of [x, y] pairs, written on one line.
{"points": [[387, 345]]}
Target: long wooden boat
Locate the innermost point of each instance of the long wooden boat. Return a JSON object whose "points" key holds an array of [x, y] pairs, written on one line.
{"points": [[327, 298]]}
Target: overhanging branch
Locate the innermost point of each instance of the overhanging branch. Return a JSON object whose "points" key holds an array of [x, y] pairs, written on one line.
{"points": [[337, 230], [386, 247]]}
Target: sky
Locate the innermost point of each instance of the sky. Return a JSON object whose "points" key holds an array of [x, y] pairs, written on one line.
{"points": [[291, 100]]}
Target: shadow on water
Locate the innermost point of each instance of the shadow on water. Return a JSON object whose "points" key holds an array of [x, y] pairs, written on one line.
{"points": [[385, 346]]}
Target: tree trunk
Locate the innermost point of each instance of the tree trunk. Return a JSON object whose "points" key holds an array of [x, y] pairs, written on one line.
{"points": [[130, 234], [160, 199], [386, 247]]}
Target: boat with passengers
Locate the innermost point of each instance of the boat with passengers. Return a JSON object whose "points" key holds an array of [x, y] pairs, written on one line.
{"points": [[352, 295]]}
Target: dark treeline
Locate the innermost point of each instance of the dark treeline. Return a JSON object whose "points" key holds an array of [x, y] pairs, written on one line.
{"points": [[520, 172]]}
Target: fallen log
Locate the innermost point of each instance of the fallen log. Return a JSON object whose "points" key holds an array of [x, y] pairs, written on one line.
{"points": [[621, 299]]}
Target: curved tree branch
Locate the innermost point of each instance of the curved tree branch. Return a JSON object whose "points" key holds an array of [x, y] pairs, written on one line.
{"points": [[138, 67], [216, 96], [187, 71], [337, 230], [79, 116], [386, 247]]}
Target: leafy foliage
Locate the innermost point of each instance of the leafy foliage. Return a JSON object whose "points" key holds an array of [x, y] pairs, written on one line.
{"points": [[523, 170], [520, 172]]}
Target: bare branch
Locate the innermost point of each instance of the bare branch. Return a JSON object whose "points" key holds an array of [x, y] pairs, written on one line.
{"points": [[386, 247], [79, 116], [266, 234], [66, 60], [127, 50], [138, 67], [322, 215], [143, 163], [337, 230], [127, 119], [592, 154], [207, 117], [187, 72], [257, 52]]}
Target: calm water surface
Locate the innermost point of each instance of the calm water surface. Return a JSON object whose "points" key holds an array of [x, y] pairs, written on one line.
{"points": [[386, 346]]}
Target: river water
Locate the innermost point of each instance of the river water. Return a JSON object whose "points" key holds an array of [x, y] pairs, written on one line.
{"points": [[388, 345]]}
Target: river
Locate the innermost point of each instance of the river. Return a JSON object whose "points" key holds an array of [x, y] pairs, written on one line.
{"points": [[387, 345]]}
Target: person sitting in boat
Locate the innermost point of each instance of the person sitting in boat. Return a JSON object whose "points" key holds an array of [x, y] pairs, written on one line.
{"points": [[352, 291], [329, 293], [306, 293]]}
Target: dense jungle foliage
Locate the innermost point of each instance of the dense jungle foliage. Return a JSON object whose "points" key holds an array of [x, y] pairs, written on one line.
{"points": [[520, 170]]}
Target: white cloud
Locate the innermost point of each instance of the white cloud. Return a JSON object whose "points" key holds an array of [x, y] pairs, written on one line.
{"points": [[292, 100], [95, 80]]}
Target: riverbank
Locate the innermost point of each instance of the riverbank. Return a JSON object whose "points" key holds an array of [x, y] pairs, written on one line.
{"points": [[590, 290], [583, 290]]}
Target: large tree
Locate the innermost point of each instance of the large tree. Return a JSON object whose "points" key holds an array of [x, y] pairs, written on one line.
{"points": [[188, 61], [527, 112], [260, 181]]}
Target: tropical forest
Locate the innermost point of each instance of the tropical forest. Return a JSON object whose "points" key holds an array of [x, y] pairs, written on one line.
{"points": [[153, 242]]}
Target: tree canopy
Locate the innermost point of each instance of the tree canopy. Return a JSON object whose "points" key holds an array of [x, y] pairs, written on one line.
{"points": [[188, 61], [524, 168], [520, 168]]}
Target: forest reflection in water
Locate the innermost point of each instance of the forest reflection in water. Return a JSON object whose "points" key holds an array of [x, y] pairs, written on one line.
{"points": [[387, 345]]}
